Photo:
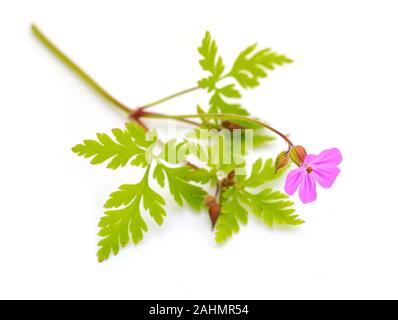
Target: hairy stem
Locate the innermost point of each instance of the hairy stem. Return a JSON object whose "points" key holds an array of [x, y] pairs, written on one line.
{"points": [[79, 71], [220, 116], [91, 82]]}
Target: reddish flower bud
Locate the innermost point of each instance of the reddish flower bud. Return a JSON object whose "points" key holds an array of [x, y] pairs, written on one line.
{"points": [[297, 154], [214, 212], [229, 180], [281, 161], [210, 201]]}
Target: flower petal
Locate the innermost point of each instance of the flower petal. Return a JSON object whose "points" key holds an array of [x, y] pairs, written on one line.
{"points": [[309, 158], [293, 180], [325, 176], [307, 191], [327, 158]]}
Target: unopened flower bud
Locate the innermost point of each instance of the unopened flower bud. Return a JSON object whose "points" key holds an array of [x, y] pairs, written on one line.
{"points": [[214, 212], [281, 161], [231, 175], [210, 201], [297, 154], [229, 180]]}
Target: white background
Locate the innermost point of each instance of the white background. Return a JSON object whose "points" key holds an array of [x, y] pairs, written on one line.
{"points": [[340, 92]]}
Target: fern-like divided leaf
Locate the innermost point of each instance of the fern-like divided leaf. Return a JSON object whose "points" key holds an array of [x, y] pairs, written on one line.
{"points": [[262, 172], [219, 103], [232, 213], [247, 69], [125, 223], [250, 66], [210, 61], [181, 190], [213, 63], [125, 145], [272, 207]]}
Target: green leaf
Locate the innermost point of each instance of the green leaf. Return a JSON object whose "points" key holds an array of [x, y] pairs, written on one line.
{"points": [[229, 91], [140, 136], [218, 104], [159, 176], [154, 203], [202, 176], [120, 149], [141, 160], [208, 83], [181, 190], [272, 207], [262, 172], [250, 66], [232, 213], [124, 224], [210, 62], [260, 138]]}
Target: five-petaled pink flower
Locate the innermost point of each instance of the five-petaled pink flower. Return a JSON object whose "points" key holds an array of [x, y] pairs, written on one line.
{"points": [[320, 169]]}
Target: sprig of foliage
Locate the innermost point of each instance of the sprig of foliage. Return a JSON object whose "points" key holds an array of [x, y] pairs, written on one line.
{"points": [[213, 63], [221, 166], [249, 67], [221, 186], [123, 222], [218, 181]]}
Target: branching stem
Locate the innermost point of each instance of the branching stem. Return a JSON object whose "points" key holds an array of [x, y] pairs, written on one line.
{"points": [[137, 114]]}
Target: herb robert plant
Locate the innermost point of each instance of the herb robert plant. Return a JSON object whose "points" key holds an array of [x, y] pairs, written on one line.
{"points": [[224, 188]]}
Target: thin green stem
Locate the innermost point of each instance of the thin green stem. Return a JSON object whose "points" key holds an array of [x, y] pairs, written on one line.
{"points": [[91, 82], [172, 96], [220, 116], [79, 71]]}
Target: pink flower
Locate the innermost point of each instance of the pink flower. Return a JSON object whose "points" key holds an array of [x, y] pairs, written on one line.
{"points": [[320, 169]]}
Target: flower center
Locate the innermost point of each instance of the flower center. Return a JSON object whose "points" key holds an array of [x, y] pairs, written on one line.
{"points": [[309, 170]]}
